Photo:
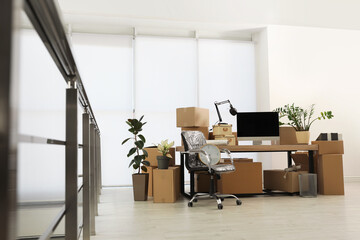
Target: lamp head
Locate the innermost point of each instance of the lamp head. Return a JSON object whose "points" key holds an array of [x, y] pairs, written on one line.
{"points": [[233, 110]]}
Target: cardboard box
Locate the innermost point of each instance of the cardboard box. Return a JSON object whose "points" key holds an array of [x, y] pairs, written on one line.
{"points": [[192, 117], [302, 158], [222, 129], [330, 174], [247, 178], [229, 138], [166, 185], [227, 160], [330, 147], [274, 180], [153, 153], [204, 130], [212, 137], [287, 135], [150, 185]]}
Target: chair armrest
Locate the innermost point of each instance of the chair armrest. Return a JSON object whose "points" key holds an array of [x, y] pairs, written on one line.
{"points": [[203, 152], [224, 150]]}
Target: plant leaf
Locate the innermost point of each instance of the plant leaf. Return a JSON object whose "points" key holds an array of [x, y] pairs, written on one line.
{"points": [[131, 152], [139, 144], [141, 118], [147, 163], [131, 162], [144, 168], [145, 153], [142, 138], [125, 141]]}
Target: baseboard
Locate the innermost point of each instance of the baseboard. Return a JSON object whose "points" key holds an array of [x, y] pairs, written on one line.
{"points": [[352, 179]]}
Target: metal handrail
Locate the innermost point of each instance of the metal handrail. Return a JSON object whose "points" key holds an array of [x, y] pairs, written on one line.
{"points": [[51, 229]]}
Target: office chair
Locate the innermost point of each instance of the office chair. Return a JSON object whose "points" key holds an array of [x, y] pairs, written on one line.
{"points": [[205, 157]]}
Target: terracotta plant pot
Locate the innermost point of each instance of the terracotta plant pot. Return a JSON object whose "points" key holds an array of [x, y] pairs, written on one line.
{"points": [[140, 186], [163, 162], [303, 137]]}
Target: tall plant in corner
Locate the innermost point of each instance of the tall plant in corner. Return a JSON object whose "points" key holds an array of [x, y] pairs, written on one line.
{"points": [[138, 154]]}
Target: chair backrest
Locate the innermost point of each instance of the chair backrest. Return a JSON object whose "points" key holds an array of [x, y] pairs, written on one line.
{"points": [[193, 140]]}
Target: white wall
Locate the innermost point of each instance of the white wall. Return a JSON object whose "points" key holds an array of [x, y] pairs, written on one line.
{"points": [[320, 66]]}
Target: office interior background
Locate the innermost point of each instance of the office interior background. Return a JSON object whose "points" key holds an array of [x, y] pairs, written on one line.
{"points": [[150, 57]]}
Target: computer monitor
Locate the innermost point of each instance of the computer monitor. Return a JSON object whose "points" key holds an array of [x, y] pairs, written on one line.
{"points": [[257, 126]]}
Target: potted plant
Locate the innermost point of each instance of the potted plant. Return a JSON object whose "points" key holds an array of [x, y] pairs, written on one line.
{"points": [[163, 148], [140, 180], [301, 119]]}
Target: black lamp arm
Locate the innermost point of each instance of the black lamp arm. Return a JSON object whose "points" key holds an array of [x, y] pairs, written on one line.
{"points": [[217, 109]]}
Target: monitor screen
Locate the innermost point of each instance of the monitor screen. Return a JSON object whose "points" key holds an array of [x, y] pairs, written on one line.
{"points": [[257, 125]]}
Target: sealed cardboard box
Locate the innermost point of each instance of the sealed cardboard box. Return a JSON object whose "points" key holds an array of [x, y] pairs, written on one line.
{"points": [[204, 130], [166, 185], [330, 147], [302, 158], [212, 137], [192, 117], [153, 153], [150, 186], [222, 129], [287, 135], [281, 180], [247, 178], [330, 174]]}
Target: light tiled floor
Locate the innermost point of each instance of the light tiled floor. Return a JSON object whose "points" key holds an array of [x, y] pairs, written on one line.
{"points": [[261, 217]]}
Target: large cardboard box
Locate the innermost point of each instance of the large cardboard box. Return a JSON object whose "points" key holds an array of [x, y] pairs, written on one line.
{"points": [[150, 184], [302, 158], [202, 179], [166, 185], [287, 135], [204, 130], [247, 178], [330, 147], [192, 117], [153, 153], [274, 180], [330, 174]]}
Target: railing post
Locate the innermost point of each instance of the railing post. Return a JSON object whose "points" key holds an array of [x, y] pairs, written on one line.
{"points": [[86, 177], [71, 154], [92, 180], [98, 173]]}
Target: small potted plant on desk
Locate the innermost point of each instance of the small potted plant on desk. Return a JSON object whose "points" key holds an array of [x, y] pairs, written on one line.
{"points": [[163, 148], [301, 120], [140, 180]]}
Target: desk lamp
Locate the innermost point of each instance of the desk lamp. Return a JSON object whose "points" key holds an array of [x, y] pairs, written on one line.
{"points": [[232, 111]]}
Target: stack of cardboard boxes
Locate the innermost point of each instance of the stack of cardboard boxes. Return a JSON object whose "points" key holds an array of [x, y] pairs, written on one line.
{"points": [[224, 132], [193, 119]]}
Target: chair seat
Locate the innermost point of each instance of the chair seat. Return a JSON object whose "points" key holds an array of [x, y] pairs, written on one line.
{"points": [[223, 168]]}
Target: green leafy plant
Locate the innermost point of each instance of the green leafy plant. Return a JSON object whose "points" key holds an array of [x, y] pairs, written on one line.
{"points": [[299, 118], [164, 148], [139, 141]]}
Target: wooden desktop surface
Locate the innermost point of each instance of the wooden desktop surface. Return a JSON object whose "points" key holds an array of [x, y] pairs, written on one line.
{"points": [[264, 148]]}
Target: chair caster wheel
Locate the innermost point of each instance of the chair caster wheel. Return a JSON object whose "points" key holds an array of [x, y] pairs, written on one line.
{"points": [[195, 200], [220, 206], [238, 202], [190, 204]]}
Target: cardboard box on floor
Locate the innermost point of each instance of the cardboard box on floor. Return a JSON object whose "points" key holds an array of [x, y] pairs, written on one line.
{"points": [[302, 158], [204, 130], [150, 185], [330, 147], [202, 179], [192, 117], [247, 178], [287, 135], [166, 185], [153, 153], [274, 180], [330, 174]]}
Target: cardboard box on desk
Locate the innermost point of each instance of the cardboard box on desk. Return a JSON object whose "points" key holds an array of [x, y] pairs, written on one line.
{"points": [[166, 185], [222, 129], [230, 139], [330, 147], [330, 174], [150, 184], [274, 180], [287, 135], [192, 117], [204, 130], [212, 137], [153, 153]]}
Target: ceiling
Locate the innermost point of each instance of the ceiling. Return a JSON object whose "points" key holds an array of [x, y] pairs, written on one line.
{"points": [[231, 17]]}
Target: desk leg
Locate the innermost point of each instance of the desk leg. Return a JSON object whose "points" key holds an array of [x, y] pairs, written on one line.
{"points": [[311, 161], [182, 180], [192, 184], [289, 159]]}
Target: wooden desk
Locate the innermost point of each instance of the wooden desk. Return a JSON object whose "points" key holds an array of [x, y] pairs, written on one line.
{"points": [[249, 148]]}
